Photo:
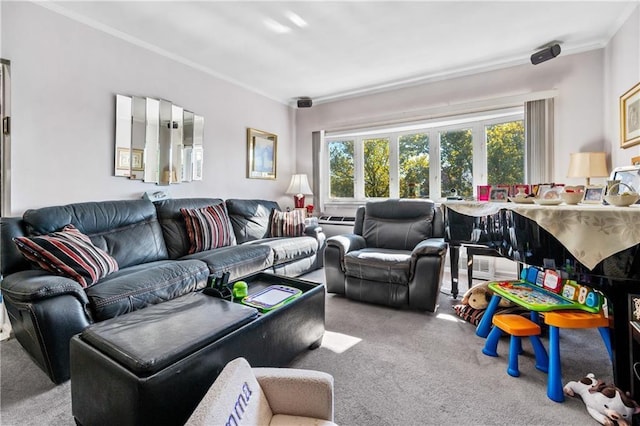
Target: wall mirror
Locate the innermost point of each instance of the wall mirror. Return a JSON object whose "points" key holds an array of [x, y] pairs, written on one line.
{"points": [[157, 141], [261, 154]]}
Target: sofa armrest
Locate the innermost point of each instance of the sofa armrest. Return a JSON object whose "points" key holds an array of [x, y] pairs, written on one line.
{"points": [[297, 392], [431, 246], [45, 312], [33, 285], [314, 231]]}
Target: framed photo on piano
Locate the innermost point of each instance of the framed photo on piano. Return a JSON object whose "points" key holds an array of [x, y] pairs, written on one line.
{"points": [[499, 195], [593, 194]]}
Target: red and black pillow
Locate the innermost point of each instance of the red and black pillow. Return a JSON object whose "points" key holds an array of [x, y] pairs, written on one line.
{"points": [[69, 253], [208, 228]]}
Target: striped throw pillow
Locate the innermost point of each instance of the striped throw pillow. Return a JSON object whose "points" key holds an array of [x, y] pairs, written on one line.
{"points": [[287, 224], [69, 253], [208, 228]]}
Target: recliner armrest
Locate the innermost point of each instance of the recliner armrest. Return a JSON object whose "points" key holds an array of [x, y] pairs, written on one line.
{"points": [[347, 242], [296, 392], [432, 246]]}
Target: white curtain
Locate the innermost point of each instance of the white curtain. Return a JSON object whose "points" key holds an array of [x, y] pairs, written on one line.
{"points": [[317, 139], [538, 132]]}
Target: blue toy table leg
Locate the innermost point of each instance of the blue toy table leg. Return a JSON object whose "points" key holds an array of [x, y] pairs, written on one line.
{"points": [[491, 344], [515, 344], [534, 316], [554, 380], [606, 337], [484, 327], [542, 359]]}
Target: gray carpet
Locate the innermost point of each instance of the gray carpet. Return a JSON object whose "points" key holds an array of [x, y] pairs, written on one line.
{"points": [[391, 367]]}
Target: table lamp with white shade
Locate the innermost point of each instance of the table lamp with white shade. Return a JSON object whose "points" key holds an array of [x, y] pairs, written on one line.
{"points": [[588, 165], [299, 187]]}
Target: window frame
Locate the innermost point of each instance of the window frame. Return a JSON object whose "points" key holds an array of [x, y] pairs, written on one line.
{"points": [[475, 121]]}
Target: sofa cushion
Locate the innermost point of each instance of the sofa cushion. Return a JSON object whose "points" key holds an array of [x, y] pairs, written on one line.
{"points": [[239, 260], [250, 218], [208, 228], [385, 265], [287, 224], [172, 222], [69, 253], [139, 286], [289, 249]]}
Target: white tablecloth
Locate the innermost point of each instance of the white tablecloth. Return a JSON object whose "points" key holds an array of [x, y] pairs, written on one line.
{"points": [[591, 233]]}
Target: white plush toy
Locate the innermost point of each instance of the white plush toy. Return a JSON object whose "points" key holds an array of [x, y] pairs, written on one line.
{"points": [[606, 403]]}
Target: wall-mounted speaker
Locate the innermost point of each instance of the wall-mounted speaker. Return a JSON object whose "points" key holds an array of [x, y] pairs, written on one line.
{"points": [[545, 54], [304, 102]]}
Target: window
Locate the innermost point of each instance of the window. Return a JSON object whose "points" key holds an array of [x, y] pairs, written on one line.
{"points": [[427, 159], [505, 153], [413, 165], [341, 169], [376, 168], [456, 161]]}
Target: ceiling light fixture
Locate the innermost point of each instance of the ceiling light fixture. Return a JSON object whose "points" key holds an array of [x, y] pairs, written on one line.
{"points": [[276, 26], [296, 19]]}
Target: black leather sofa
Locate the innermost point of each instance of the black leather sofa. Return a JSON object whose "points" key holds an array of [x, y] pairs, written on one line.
{"points": [[150, 243], [395, 255]]}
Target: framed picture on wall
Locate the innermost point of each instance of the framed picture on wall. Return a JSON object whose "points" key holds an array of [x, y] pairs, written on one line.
{"points": [[630, 117], [261, 154], [123, 158], [137, 162]]}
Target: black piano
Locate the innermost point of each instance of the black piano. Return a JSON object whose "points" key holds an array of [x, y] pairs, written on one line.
{"points": [[521, 239]]}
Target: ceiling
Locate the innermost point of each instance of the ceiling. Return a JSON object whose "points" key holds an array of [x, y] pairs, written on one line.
{"points": [[333, 50]]}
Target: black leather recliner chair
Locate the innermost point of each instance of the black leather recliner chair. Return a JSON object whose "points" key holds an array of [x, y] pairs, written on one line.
{"points": [[394, 257]]}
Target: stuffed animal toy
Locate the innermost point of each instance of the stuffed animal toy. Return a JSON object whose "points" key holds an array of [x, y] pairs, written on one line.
{"points": [[606, 403], [478, 297]]}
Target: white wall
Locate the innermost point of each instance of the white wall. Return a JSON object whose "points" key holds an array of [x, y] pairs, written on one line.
{"points": [[578, 106], [64, 79], [622, 72], [65, 76]]}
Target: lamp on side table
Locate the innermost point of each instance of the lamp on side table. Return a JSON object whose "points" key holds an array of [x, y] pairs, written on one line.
{"points": [[299, 187], [588, 165]]}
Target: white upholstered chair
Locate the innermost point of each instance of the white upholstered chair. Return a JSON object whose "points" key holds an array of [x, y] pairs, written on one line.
{"points": [[242, 395]]}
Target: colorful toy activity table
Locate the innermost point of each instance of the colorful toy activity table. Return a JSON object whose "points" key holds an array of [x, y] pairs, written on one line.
{"points": [[536, 298], [529, 296]]}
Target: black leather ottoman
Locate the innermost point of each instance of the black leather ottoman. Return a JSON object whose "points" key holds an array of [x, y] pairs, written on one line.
{"points": [[153, 366]]}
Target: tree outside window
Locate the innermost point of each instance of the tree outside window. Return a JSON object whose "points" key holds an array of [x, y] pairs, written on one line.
{"points": [[341, 169], [456, 161], [376, 168], [413, 165], [505, 153]]}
